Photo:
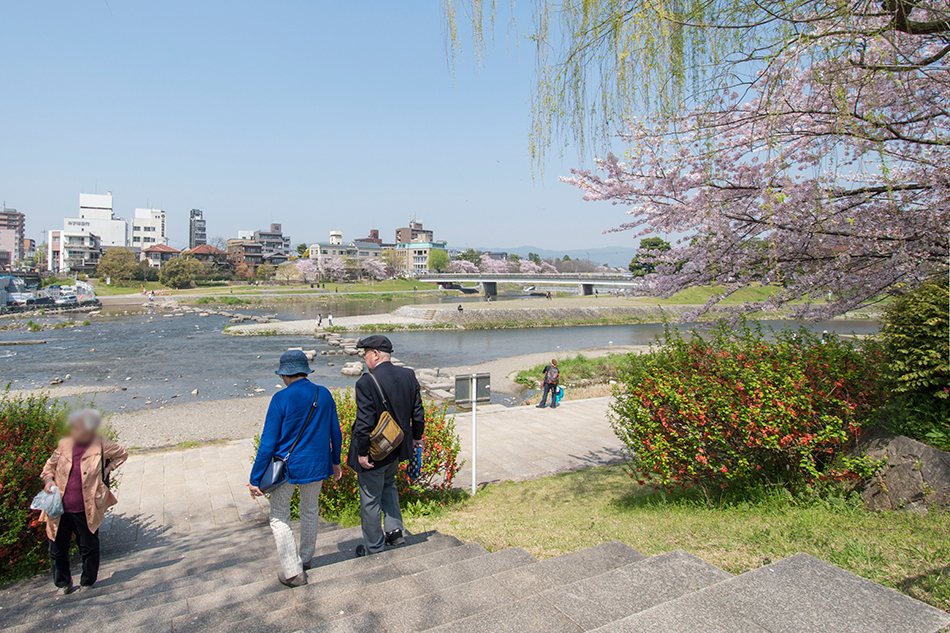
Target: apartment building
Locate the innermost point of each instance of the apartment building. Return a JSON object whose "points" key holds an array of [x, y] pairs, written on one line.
{"points": [[73, 252], [413, 233], [148, 228], [12, 234], [197, 229]]}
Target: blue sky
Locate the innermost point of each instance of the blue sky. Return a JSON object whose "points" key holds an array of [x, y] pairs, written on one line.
{"points": [[319, 115]]}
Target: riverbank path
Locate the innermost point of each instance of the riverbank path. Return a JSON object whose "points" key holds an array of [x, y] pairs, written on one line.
{"points": [[201, 488]]}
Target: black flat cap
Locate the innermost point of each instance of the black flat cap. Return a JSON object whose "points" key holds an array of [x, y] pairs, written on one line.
{"points": [[377, 342]]}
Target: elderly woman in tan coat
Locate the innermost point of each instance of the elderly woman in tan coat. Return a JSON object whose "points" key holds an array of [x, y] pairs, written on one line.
{"points": [[80, 468]]}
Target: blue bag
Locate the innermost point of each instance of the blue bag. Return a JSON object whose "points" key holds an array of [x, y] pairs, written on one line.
{"points": [[415, 464]]}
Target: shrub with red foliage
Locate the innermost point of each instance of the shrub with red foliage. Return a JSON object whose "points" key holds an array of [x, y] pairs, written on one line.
{"points": [[737, 409], [29, 430]]}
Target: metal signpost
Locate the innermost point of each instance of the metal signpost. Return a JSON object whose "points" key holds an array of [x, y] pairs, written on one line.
{"points": [[472, 389]]}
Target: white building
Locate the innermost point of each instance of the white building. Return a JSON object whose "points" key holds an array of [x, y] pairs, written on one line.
{"points": [[148, 228], [68, 251], [96, 217]]}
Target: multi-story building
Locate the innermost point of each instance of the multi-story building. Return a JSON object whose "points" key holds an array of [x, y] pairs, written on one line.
{"points": [[12, 233], [414, 256], [373, 237], [413, 233], [197, 229], [273, 242], [157, 254], [148, 228], [245, 252], [96, 217], [73, 252], [29, 248], [359, 250]]}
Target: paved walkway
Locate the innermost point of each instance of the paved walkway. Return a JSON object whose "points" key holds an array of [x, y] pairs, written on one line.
{"points": [[200, 488]]}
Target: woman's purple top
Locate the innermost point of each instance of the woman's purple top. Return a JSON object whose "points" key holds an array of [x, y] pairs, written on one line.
{"points": [[72, 496]]}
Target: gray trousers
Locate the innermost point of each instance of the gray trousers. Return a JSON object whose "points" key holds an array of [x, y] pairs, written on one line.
{"points": [[378, 495], [292, 559]]}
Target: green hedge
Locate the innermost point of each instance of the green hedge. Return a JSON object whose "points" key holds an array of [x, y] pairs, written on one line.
{"points": [[916, 332], [29, 430]]}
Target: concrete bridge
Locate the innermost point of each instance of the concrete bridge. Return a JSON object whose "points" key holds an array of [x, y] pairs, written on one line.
{"points": [[489, 282]]}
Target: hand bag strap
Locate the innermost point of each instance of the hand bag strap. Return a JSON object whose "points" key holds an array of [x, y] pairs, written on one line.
{"points": [[383, 396], [303, 427]]}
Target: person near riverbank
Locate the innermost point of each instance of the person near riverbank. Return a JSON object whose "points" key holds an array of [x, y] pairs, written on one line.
{"points": [[80, 467], [398, 392], [330, 319], [314, 458], [552, 376], [320, 319]]}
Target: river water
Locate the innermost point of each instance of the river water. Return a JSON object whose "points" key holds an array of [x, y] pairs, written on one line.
{"points": [[153, 359]]}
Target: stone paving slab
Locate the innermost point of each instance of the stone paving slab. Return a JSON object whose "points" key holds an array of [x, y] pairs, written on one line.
{"points": [[201, 488]]}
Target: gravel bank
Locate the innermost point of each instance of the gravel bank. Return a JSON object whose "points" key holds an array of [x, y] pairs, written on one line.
{"points": [[235, 419], [204, 421]]}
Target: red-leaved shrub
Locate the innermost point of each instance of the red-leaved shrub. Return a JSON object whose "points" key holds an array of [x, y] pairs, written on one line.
{"points": [[735, 408], [29, 430]]}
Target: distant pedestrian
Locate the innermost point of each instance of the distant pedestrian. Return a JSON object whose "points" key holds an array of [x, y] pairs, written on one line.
{"points": [[80, 468], [396, 390], [824, 337], [552, 376], [320, 319], [460, 308], [548, 295], [302, 422], [330, 319]]}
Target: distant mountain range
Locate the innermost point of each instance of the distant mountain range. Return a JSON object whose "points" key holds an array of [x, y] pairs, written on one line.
{"points": [[611, 255]]}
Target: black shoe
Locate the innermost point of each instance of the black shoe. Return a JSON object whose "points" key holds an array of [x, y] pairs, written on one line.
{"points": [[360, 551], [541, 406], [395, 538], [308, 565]]}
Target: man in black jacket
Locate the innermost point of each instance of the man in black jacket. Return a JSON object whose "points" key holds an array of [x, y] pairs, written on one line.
{"points": [[377, 480]]}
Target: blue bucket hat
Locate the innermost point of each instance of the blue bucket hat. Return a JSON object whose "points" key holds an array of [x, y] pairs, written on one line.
{"points": [[293, 362]]}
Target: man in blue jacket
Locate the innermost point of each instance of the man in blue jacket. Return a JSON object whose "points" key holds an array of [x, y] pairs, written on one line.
{"points": [[315, 458]]}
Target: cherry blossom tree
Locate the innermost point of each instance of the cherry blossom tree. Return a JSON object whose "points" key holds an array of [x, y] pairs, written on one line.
{"points": [[333, 268], [828, 176], [373, 268], [462, 266], [307, 269], [528, 267], [548, 268], [493, 266]]}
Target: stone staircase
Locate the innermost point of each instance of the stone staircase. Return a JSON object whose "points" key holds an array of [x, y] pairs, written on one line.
{"points": [[225, 580]]}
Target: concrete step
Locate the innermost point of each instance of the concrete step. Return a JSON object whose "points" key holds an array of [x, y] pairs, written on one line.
{"points": [[333, 591], [562, 570], [323, 582], [443, 606], [178, 591], [590, 602], [800, 594], [433, 580], [596, 601]]}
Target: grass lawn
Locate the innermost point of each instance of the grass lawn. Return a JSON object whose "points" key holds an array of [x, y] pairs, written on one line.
{"points": [[600, 369], [565, 513], [701, 294], [135, 287]]}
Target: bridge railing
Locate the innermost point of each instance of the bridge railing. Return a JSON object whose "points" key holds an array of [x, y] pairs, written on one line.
{"points": [[526, 276]]}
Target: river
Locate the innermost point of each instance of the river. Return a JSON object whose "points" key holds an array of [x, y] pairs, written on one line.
{"points": [[153, 359]]}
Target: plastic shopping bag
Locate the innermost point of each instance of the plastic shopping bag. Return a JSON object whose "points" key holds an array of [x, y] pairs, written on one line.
{"points": [[49, 502]]}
